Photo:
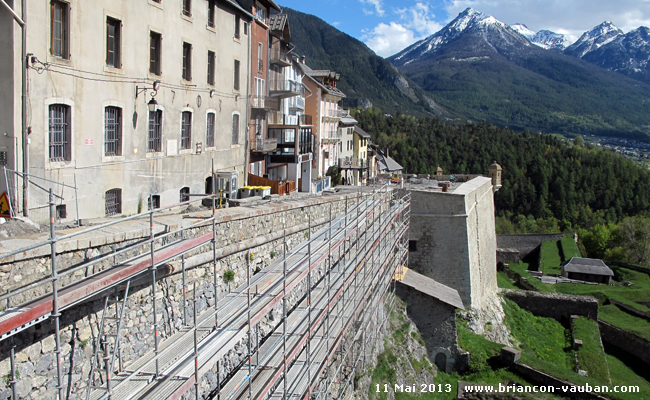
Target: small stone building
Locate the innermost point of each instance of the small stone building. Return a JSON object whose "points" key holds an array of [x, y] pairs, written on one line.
{"points": [[588, 270]]}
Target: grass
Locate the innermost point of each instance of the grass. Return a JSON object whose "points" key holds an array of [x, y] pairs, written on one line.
{"points": [[521, 269], [543, 338], [591, 355], [569, 248], [615, 316], [626, 370], [550, 257], [503, 281]]}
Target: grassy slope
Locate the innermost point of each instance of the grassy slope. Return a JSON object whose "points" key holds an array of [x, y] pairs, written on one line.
{"points": [[591, 355], [551, 257]]}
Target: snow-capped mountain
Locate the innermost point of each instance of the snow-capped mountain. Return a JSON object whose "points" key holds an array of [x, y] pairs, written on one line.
{"points": [[544, 38], [524, 30], [487, 31], [627, 53], [589, 41]]}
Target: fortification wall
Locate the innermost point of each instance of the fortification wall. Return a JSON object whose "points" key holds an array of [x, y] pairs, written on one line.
{"points": [[36, 361], [453, 240], [554, 305], [524, 244]]}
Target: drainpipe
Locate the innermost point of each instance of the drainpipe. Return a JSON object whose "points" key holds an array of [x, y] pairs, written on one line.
{"points": [[247, 148], [24, 128]]}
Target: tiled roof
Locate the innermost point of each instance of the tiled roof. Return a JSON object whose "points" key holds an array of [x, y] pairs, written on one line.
{"points": [[277, 22], [313, 74]]}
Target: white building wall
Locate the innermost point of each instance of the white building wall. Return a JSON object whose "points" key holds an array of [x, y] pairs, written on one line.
{"points": [[87, 85]]}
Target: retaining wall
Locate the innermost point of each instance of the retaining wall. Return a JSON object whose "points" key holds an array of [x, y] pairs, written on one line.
{"points": [[36, 361], [554, 305], [628, 342]]}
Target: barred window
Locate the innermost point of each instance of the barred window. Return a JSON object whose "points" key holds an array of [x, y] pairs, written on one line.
{"points": [[186, 130], [209, 134], [59, 132], [155, 131], [112, 131], [235, 129], [211, 12], [113, 202]]}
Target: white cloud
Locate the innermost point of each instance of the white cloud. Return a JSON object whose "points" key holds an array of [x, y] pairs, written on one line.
{"points": [[336, 23], [377, 4], [569, 17], [413, 24], [388, 39]]}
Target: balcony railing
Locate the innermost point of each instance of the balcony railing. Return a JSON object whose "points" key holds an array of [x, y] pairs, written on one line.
{"points": [[333, 134], [278, 118], [265, 102], [280, 55], [353, 163], [338, 113], [284, 88], [260, 145]]}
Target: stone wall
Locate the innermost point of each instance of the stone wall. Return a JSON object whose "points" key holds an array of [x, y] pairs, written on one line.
{"points": [[554, 305], [454, 239], [36, 362], [436, 322], [542, 379], [524, 244], [628, 342]]}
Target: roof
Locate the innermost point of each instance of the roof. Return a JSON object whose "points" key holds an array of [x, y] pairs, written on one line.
{"points": [[278, 23], [361, 132], [347, 120], [238, 7], [428, 286], [387, 163], [313, 74], [590, 266]]}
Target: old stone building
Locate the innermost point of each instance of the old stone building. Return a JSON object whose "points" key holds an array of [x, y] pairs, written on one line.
{"points": [[126, 100]]}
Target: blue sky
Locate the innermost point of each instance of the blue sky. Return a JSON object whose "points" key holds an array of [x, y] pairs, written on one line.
{"points": [[388, 26]]}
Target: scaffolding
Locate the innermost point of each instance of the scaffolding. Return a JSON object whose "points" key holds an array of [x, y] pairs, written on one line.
{"points": [[327, 287]]}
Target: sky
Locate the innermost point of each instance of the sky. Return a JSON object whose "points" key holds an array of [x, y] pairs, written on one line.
{"points": [[388, 26]]}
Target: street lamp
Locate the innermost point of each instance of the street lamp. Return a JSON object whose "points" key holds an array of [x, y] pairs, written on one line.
{"points": [[153, 104]]}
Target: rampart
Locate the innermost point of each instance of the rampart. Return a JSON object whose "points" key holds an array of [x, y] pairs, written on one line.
{"points": [[554, 305]]}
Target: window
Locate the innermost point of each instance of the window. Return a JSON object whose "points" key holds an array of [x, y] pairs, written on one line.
{"points": [[235, 129], [237, 23], [155, 131], [113, 38], [113, 202], [211, 13], [155, 47], [260, 12], [61, 212], [209, 133], [260, 57], [187, 8], [211, 64], [112, 131], [185, 194], [59, 132], [187, 61], [413, 245], [186, 130], [154, 201], [60, 29], [236, 85]]}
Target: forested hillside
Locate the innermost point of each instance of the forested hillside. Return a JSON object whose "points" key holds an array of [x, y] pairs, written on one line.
{"points": [[364, 75], [543, 176]]}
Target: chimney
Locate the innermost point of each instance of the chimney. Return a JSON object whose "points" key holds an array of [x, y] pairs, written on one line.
{"points": [[302, 58]]}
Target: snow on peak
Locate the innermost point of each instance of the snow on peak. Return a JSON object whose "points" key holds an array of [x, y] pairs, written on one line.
{"points": [[595, 38], [524, 31]]}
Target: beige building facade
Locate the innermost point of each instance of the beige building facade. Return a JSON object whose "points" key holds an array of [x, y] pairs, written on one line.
{"points": [[95, 121]]}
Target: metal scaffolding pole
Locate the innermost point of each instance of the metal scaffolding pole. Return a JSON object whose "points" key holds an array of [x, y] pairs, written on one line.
{"points": [[153, 286], [12, 359], [196, 350], [284, 316], [248, 315], [309, 313], [55, 301], [184, 290], [214, 250]]}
